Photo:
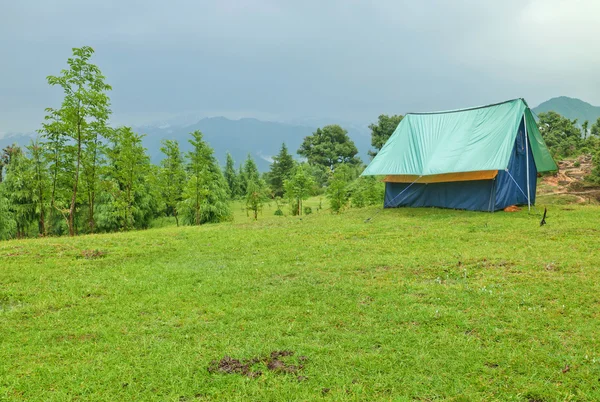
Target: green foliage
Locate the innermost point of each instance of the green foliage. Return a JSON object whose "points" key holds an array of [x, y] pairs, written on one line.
{"points": [[328, 147], [382, 131], [256, 195], [247, 172], [232, 178], [337, 191], [297, 188], [19, 189], [8, 226], [205, 196], [595, 174], [595, 130], [561, 135], [367, 190], [171, 178], [79, 125], [281, 170], [126, 178], [40, 182]]}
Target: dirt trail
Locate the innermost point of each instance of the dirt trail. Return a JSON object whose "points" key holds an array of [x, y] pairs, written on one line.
{"points": [[570, 180]]}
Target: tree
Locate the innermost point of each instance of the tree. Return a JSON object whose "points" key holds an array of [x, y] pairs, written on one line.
{"points": [[595, 130], [82, 120], [40, 184], [337, 191], [382, 131], [205, 197], [61, 170], [19, 190], [231, 177], [561, 135], [584, 129], [171, 177], [256, 196], [297, 188], [329, 147], [249, 172], [7, 223], [366, 190], [128, 167], [281, 170]]}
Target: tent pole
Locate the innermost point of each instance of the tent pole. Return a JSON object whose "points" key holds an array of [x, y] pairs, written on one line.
{"points": [[527, 162]]}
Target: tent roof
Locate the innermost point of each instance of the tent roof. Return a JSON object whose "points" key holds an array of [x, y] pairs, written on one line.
{"points": [[464, 140]]}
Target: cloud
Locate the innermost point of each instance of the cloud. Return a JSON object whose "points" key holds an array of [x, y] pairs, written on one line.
{"points": [[345, 59]]}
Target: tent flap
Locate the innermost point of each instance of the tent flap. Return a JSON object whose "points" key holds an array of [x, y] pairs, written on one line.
{"points": [[541, 154]]}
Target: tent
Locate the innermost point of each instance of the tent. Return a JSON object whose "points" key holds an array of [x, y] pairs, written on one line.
{"points": [[482, 159]]}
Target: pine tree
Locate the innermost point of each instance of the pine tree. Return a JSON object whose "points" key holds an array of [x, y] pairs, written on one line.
{"points": [[205, 197], [129, 165], [171, 178], [281, 170], [19, 191], [231, 177]]}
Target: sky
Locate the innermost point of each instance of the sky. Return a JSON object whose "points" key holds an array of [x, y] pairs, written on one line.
{"points": [[290, 60]]}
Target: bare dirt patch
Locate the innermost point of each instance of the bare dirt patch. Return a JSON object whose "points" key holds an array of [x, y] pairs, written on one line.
{"points": [[278, 361]]}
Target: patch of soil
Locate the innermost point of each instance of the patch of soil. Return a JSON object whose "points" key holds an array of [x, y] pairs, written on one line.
{"points": [[278, 361], [92, 254]]}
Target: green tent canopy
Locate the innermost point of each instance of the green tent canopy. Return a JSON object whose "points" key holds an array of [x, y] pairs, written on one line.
{"points": [[465, 140], [484, 158]]}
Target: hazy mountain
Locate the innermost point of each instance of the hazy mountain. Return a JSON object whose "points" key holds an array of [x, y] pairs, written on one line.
{"points": [[261, 139], [571, 108]]}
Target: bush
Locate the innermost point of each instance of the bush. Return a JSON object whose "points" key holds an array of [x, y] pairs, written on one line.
{"points": [[307, 210], [279, 212]]}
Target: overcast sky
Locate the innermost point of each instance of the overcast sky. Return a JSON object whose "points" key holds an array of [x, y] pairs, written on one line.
{"points": [[283, 60]]}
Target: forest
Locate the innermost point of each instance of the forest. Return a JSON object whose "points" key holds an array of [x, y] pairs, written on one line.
{"points": [[83, 176]]}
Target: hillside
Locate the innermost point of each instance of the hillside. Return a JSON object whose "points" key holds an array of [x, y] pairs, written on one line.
{"points": [[571, 108], [417, 304], [261, 139]]}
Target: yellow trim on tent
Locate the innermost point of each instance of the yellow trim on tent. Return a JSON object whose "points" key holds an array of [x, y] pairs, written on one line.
{"points": [[442, 178]]}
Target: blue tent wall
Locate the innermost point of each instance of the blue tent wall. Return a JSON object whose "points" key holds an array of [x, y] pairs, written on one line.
{"points": [[475, 195], [507, 192]]}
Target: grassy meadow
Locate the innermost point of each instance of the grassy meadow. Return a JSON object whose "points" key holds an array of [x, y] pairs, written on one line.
{"points": [[415, 304]]}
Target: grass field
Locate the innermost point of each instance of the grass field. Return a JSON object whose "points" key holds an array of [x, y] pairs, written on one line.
{"points": [[416, 304]]}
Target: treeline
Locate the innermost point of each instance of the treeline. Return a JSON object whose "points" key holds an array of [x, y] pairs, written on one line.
{"points": [[567, 139], [83, 176]]}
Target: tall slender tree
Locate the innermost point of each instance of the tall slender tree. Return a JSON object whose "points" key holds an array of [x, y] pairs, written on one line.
{"points": [[281, 170], [171, 177], [83, 118], [128, 167], [19, 191], [231, 177], [40, 183]]}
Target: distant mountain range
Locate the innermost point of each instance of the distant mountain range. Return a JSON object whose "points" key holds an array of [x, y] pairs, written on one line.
{"points": [[263, 139], [260, 139], [570, 108]]}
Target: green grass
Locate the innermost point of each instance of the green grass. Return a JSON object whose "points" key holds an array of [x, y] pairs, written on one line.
{"points": [[417, 304]]}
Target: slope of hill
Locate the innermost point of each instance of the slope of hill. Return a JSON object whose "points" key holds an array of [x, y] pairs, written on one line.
{"points": [[571, 108], [261, 139], [417, 304]]}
